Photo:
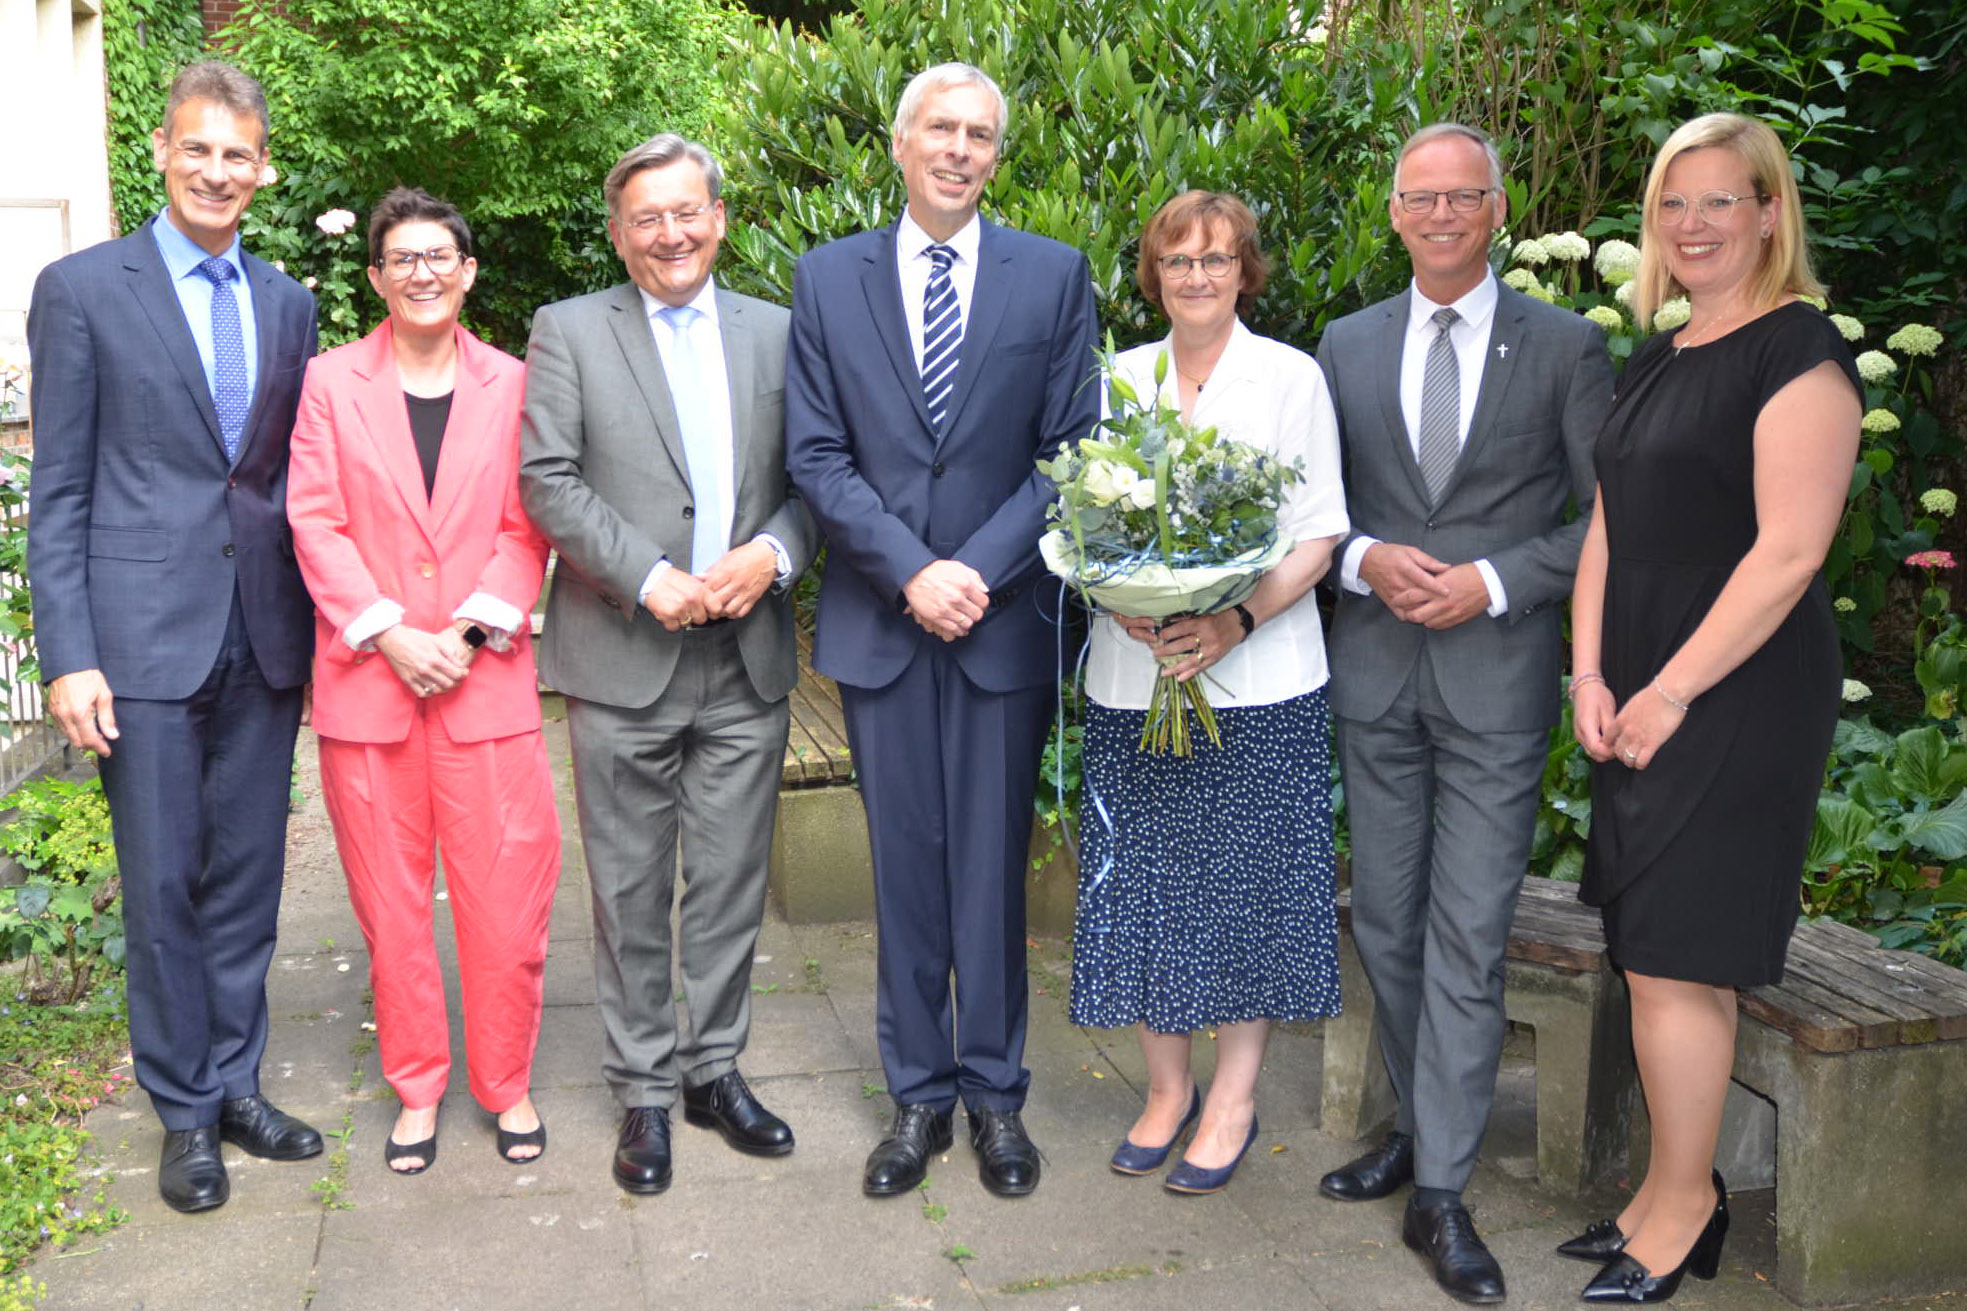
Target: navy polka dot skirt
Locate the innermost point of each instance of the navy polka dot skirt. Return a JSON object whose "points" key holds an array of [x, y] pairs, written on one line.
{"points": [[1206, 884]]}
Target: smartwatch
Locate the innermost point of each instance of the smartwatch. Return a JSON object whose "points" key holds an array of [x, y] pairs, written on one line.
{"points": [[474, 636]]}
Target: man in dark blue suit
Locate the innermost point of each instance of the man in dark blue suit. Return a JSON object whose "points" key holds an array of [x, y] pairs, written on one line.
{"points": [[931, 364], [173, 628]]}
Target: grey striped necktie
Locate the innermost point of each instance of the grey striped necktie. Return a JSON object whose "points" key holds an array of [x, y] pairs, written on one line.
{"points": [[942, 335], [1441, 407]]}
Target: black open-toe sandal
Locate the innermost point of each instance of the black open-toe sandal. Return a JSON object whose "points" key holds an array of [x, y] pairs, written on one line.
{"points": [[508, 1140], [393, 1151]]}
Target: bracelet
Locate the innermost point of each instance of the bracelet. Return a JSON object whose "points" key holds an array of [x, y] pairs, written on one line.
{"points": [[1584, 680], [1666, 696], [1245, 618]]}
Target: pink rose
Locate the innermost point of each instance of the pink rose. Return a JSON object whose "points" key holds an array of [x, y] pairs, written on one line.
{"points": [[335, 222]]}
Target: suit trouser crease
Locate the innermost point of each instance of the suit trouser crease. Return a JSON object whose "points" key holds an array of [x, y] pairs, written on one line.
{"points": [[947, 772], [1441, 824], [489, 808], [198, 793], [701, 765]]}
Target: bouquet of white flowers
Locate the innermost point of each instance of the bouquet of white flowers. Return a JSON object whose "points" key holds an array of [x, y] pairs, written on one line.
{"points": [[1158, 518]]}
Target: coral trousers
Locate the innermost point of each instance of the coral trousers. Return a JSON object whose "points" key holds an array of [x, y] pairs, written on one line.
{"points": [[489, 806]]}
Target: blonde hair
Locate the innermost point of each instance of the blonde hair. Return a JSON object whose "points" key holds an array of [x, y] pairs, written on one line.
{"points": [[1785, 267]]}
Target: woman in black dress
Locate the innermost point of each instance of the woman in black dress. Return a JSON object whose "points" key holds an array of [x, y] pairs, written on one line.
{"points": [[1706, 665]]}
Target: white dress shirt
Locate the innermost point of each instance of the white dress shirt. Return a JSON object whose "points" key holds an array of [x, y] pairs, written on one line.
{"points": [[1470, 338], [913, 263], [1271, 396]]}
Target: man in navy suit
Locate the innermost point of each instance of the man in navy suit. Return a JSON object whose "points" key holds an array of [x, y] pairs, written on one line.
{"points": [[932, 363], [173, 628]]}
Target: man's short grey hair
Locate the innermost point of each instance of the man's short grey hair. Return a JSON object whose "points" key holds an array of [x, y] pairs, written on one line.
{"points": [[660, 152], [221, 83], [941, 78], [1436, 131]]}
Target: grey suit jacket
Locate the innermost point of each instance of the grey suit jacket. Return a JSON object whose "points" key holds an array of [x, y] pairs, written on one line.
{"points": [[1546, 387], [603, 475]]}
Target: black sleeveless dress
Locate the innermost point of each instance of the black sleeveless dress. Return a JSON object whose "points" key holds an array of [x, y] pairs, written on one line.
{"points": [[1697, 860]]}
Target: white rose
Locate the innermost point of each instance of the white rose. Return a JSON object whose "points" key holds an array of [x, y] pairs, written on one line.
{"points": [[335, 222], [1140, 494], [1101, 481]]}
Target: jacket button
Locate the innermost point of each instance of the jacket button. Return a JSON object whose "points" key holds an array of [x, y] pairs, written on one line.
{"points": [[231, 483], [226, 550], [1430, 523], [689, 512], [427, 570], [938, 470]]}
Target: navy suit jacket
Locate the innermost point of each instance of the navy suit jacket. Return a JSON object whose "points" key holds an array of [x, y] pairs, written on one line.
{"points": [[890, 495], [140, 530]]}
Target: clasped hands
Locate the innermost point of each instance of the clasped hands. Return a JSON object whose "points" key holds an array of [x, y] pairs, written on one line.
{"points": [[1202, 639], [947, 598], [727, 590], [1420, 589], [428, 663], [1632, 733]]}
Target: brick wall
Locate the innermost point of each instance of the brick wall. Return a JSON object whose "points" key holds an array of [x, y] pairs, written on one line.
{"points": [[217, 13]]}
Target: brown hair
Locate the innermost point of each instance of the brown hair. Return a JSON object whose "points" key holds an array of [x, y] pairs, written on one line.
{"points": [[1175, 221]]}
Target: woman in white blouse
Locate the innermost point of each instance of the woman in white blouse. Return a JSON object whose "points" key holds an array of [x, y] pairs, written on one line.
{"points": [[1206, 882]]}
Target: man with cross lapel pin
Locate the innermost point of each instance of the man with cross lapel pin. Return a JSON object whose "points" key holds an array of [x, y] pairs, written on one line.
{"points": [[652, 451], [174, 631], [1467, 414], [932, 363]]}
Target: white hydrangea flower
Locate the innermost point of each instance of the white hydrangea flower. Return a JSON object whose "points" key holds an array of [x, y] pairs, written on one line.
{"points": [[1940, 501], [1671, 315], [1856, 691], [1847, 327], [1844, 605], [1876, 366], [1520, 280], [1542, 293], [1818, 301], [1530, 251], [1880, 420], [1623, 293], [1566, 246], [1915, 339], [1617, 261], [1607, 318]]}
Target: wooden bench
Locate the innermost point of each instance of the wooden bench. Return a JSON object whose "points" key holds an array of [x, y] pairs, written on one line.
{"points": [[1864, 1053], [820, 868], [1560, 984]]}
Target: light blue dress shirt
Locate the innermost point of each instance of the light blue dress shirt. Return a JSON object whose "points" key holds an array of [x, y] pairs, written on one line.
{"points": [[182, 256]]}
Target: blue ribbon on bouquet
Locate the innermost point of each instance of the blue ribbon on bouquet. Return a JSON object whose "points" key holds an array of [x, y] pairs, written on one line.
{"points": [[1088, 794]]}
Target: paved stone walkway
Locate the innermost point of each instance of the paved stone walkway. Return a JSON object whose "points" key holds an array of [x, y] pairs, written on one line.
{"points": [[339, 1233]]}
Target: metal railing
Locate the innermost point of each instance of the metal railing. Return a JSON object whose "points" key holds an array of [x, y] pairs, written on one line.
{"points": [[29, 741]]}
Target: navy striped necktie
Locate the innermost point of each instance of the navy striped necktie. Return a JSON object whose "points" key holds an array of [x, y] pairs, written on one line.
{"points": [[942, 335]]}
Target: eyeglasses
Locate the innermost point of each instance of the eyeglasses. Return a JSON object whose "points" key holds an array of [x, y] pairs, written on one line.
{"points": [[239, 163], [1714, 206], [683, 218], [401, 265], [1215, 264], [1463, 200]]}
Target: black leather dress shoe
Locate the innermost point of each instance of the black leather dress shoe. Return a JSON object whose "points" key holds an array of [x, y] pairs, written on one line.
{"points": [[259, 1128], [727, 1105], [1446, 1236], [901, 1160], [191, 1174], [642, 1150], [1375, 1175], [1006, 1160]]}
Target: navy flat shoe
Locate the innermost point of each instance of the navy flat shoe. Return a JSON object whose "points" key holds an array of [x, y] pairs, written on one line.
{"points": [[1131, 1158], [1193, 1179]]}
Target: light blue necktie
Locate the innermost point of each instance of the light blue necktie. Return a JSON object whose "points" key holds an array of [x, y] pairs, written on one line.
{"points": [[942, 337], [229, 395], [711, 532]]}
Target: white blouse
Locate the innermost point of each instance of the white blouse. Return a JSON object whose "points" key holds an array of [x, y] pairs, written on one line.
{"points": [[1273, 396]]}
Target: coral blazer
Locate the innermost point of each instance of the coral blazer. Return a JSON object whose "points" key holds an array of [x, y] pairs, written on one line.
{"points": [[365, 531]]}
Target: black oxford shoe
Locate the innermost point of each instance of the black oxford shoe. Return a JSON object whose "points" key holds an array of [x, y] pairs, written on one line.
{"points": [[1006, 1160], [1375, 1175], [901, 1160], [1463, 1265], [259, 1128], [642, 1150], [727, 1105], [191, 1174]]}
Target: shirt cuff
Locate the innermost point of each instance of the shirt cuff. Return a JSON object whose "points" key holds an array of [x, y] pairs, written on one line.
{"points": [[379, 618], [1355, 551], [500, 619], [1498, 598], [648, 584], [780, 554]]}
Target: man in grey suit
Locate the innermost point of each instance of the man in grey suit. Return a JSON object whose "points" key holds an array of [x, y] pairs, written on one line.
{"points": [[653, 458], [1468, 414]]}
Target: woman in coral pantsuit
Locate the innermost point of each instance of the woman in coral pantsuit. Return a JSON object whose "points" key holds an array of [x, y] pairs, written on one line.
{"points": [[404, 500]]}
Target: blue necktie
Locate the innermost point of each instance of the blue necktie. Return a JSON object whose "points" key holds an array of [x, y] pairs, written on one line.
{"points": [[229, 394], [942, 334], [711, 533]]}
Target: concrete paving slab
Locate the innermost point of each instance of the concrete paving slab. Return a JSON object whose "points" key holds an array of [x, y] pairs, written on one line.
{"points": [[191, 1263], [1247, 1282]]}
